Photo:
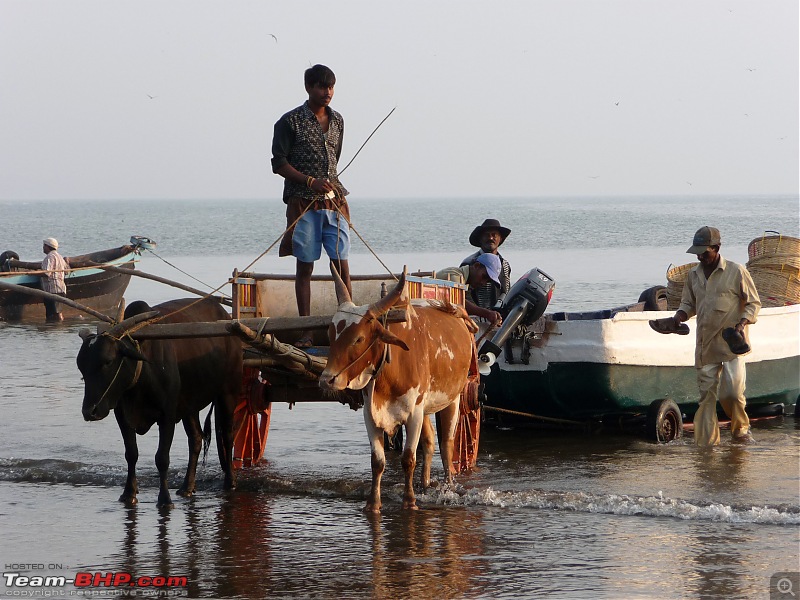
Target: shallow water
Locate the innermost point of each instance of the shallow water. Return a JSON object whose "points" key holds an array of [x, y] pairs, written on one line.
{"points": [[555, 513]]}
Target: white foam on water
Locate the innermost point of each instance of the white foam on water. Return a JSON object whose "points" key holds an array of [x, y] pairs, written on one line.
{"points": [[647, 506]]}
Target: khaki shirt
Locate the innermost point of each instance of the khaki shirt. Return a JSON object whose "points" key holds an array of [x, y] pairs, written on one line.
{"points": [[720, 301], [456, 274]]}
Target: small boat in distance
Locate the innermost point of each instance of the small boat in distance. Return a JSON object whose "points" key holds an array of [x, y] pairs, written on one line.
{"points": [[86, 282]]}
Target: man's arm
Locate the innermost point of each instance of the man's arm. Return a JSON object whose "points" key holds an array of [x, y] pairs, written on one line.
{"points": [[282, 142], [485, 313]]}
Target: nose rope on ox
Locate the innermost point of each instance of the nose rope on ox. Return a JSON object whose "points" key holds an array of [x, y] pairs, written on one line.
{"points": [[136, 375], [359, 357]]}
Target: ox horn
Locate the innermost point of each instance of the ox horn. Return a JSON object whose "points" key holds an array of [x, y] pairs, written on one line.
{"points": [[122, 327], [376, 309], [342, 293]]}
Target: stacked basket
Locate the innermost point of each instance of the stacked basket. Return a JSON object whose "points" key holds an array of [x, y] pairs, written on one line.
{"points": [[774, 264], [676, 277]]}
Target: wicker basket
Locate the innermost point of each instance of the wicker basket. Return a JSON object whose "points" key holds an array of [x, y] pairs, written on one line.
{"points": [[769, 245], [676, 278], [780, 263], [776, 288]]}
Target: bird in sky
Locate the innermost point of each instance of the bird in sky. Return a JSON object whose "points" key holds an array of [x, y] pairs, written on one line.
{"points": [[273, 37], [152, 97]]}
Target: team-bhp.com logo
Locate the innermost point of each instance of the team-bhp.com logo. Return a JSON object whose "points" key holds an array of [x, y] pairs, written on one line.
{"points": [[21, 584]]}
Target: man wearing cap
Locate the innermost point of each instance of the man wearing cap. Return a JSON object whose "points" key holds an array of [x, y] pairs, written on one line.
{"points": [[53, 280], [722, 295], [485, 270], [489, 236]]}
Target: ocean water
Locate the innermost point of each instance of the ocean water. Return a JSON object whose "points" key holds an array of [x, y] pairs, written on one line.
{"points": [[547, 513]]}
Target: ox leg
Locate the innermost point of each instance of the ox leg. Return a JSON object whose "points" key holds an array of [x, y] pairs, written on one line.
{"points": [[166, 431], [426, 449], [194, 433], [378, 458], [223, 426], [131, 457], [414, 427], [448, 418]]}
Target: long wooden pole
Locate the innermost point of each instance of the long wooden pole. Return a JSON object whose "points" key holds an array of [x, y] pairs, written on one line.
{"points": [[220, 328], [42, 294], [175, 284]]}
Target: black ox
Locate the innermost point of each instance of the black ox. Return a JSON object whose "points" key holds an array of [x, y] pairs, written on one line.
{"points": [[164, 381]]}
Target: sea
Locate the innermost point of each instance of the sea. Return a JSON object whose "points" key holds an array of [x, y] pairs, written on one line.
{"points": [[553, 513]]}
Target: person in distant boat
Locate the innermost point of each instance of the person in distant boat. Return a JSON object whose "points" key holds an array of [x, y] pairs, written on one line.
{"points": [[484, 270], [489, 236], [723, 296], [53, 280], [306, 147]]}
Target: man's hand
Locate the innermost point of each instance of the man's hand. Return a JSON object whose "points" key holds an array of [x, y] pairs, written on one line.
{"points": [[494, 318]]}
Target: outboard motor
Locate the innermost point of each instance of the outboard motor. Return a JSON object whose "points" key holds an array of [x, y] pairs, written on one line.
{"points": [[525, 302]]}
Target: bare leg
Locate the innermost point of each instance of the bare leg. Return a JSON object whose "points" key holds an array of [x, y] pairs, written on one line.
{"points": [[302, 289]]}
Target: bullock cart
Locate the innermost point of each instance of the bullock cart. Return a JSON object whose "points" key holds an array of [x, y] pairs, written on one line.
{"points": [[264, 317]]}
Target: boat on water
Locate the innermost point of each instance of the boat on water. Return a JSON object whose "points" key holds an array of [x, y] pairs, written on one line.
{"points": [[609, 367], [87, 283]]}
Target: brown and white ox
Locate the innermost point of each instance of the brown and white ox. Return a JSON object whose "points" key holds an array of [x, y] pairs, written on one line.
{"points": [[424, 374]]}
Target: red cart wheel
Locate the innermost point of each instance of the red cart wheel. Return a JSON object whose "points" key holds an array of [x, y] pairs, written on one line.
{"points": [[468, 431], [250, 421]]}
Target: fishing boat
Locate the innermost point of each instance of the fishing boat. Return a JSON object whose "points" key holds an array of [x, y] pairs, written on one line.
{"points": [[609, 366], [87, 282]]}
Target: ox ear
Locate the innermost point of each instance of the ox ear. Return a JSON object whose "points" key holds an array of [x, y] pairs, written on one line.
{"points": [[126, 349], [388, 337], [342, 293]]}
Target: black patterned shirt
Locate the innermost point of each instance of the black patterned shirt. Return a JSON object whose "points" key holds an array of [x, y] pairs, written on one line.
{"points": [[300, 142]]}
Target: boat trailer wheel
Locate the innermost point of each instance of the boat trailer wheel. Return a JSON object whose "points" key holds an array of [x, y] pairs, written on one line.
{"points": [[664, 421]]}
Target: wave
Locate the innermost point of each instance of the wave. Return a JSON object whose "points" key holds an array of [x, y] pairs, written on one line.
{"points": [[262, 479], [614, 504]]}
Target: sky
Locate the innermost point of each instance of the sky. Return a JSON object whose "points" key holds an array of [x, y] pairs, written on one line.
{"points": [[110, 99]]}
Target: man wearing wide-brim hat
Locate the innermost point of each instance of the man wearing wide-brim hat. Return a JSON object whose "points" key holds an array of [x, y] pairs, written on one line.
{"points": [[723, 296], [55, 267], [489, 236]]}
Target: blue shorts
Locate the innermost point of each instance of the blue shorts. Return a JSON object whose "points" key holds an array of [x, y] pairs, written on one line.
{"points": [[318, 228]]}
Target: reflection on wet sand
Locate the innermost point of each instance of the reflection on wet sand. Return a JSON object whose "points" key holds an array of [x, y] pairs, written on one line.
{"points": [[427, 552]]}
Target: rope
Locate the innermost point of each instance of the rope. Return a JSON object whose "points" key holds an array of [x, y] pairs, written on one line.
{"points": [[337, 195], [179, 269]]}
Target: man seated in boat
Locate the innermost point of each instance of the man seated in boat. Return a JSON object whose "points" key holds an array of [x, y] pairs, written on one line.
{"points": [[489, 236], [484, 270], [53, 279]]}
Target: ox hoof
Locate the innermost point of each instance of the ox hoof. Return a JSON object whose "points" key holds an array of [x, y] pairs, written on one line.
{"points": [[185, 493], [372, 509], [129, 501]]}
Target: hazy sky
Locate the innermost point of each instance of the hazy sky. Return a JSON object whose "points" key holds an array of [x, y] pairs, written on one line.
{"points": [[124, 99]]}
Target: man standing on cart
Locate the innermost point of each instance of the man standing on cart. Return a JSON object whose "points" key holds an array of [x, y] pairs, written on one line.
{"points": [[306, 148]]}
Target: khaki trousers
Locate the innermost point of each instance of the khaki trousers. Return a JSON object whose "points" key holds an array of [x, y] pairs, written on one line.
{"points": [[724, 382]]}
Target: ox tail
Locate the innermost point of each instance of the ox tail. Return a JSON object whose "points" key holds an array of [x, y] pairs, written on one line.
{"points": [[207, 433]]}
